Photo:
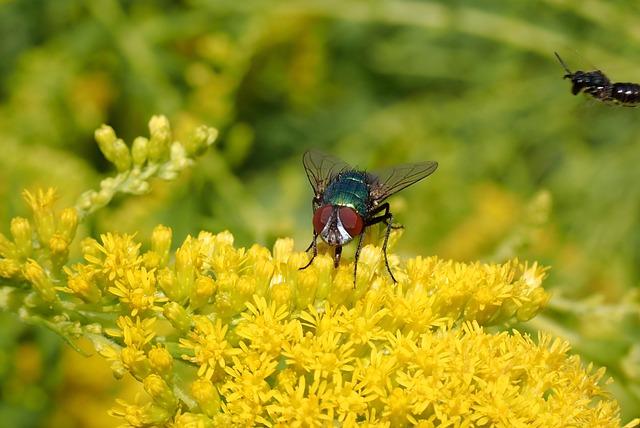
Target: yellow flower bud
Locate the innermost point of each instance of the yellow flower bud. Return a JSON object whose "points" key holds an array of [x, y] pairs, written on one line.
{"points": [[203, 289], [199, 140], [177, 316], [8, 249], [161, 243], [306, 290], [294, 262], [263, 272], [282, 249], [102, 197], [185, 268], [161, 362], [342, 287], [9, 268], [160, 392], [22, 236], [105, 136], [206, 396], [59, 247], [140, 151], [370, 262], [35, 274], [226, 300], [160, 141], [68, 223], [169, 285], [136, 362], [245, 288], [282, 295], [323, 264], [122, 156], [42, 203], [222, 304], [46, 226]]}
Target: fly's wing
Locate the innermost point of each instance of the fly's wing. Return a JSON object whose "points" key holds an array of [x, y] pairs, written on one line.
{"points": [[321, 168], [384, 182]]}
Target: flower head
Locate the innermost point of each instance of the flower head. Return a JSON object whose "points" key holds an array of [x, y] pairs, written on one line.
{"points": [[137, 291], [117, 255], [270, 344], [211, 351]]}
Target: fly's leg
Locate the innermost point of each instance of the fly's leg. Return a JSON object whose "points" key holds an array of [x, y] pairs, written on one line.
{"points": [[387, 219], [313, 245], [313, 241], [388, 222], [355, 262]]}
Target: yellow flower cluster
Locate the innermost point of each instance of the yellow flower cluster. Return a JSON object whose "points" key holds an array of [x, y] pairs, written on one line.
{"points": [[221, 336], [249, 339]]}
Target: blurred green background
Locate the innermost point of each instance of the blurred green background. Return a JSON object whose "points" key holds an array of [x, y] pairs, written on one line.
{"points": [[526, 169]]}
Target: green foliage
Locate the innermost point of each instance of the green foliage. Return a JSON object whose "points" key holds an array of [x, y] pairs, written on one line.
{"points": [[526, 169]]}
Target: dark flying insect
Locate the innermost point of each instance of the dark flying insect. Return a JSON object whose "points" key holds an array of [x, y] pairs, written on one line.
{"points": [[346, 201], [596, 84]]}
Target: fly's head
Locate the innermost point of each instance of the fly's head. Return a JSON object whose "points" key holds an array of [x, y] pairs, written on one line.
{"points": [[337, 225], [588, 80]]}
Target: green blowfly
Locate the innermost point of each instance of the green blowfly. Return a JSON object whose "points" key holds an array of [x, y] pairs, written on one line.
{"points": [[346, 200]]}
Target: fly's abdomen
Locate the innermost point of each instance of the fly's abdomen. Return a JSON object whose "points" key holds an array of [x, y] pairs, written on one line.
{"points": [[626, 93], [350, 190]]}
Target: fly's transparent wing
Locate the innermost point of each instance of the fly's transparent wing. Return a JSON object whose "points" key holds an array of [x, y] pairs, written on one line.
{"points": [[321, 168], [386, 181]]}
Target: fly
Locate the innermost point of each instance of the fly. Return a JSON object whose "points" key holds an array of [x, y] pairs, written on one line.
{"points": [[346, 201], [598, 85]]}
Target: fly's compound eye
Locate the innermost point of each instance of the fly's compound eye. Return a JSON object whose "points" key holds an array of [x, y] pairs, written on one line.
{"points": [[351, 221], [321, 218]]}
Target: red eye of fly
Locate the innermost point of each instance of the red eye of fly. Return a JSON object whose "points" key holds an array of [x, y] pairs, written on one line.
{"points": [[351, 221], [321, 218]]}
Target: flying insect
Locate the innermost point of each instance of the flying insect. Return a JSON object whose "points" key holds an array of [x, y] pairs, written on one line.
{"points": [[346, 200], [599, 86]]}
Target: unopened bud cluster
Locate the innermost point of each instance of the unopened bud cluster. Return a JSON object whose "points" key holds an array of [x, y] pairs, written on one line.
{"points": [[157, 156]]}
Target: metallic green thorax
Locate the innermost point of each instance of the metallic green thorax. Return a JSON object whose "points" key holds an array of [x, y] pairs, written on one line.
{"points": [[350, 189]]}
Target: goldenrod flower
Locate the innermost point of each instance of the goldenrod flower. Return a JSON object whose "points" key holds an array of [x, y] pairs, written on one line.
{"points": [[324, 351], [119, 255], [145, 415], [83, 283], [211, 351], [226, 336], [137, 291], [266, 328], [401, 354], [134, 333], [9, 268]]}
